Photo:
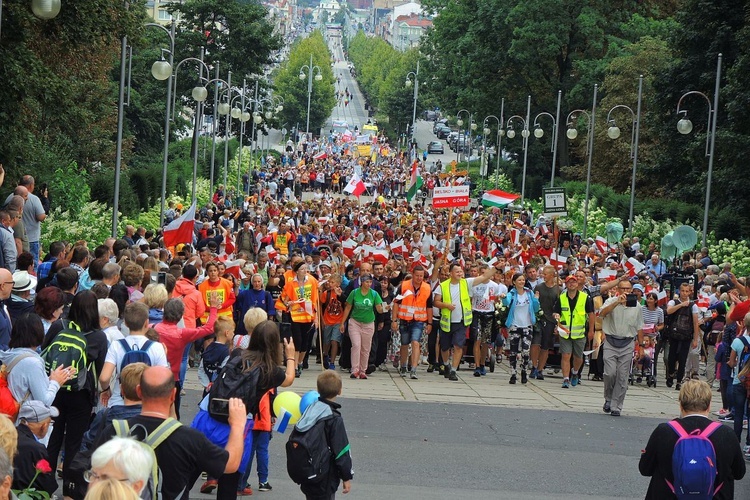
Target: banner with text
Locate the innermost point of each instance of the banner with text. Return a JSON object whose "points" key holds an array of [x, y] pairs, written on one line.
{"points": [[450, 196]]}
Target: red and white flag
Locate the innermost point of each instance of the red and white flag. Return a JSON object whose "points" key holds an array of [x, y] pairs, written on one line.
{"points": [[515, 236], [181, 229], [633, 266], [272, 252], [601, 244], [323, 220], [607, 275], [518, 223], [703, 302], [377, 254], [543, 229], [355, 186], [556, 260], [398, 247], [661, 298], [348, 246], [320, 156]]}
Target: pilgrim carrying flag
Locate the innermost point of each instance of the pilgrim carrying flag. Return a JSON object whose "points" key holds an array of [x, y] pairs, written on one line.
{"points": [[633, 266], [180, 230], [348, 247]]}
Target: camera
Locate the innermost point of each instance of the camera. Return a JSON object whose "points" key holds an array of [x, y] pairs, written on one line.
{"points": [[161, 278], [631, 300], [220, 406]]}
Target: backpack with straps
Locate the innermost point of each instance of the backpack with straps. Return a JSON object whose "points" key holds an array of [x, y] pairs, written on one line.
{"points": [[694, 463], [68, 348], [152, 491], [308, 456], [8, 404], [681, 323], [235, 381], [745, 356], [135, 354]]}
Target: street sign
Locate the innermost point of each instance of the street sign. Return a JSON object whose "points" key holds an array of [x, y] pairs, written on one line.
{"points": [[554, 201], [450, 196]]}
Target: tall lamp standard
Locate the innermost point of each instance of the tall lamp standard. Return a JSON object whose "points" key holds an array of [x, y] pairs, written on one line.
{"points": [[460, 124], [613, 132], [415, 75], [572, 133], [318, 77], [162, 70], [539, 133], [486, 131], [43, 9], [685, 126], [525, 134]]}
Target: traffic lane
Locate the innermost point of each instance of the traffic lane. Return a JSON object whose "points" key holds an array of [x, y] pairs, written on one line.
{"points": [[424, 136]]}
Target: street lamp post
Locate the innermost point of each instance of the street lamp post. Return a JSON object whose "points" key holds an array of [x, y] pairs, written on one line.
{"points": [[685, 126], [460, 124], [486, 132], [318, 76], [613, 132], [539, 133], [43, 9], [525, 134], [572, 133], [416, 94]]}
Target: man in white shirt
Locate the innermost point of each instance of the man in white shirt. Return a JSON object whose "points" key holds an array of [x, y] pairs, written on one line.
{"points": [[136, 319]]}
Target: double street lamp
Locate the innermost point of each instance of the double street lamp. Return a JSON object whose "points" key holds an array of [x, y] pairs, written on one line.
{"points": [[318, 77], [613, 132], [572, 133], [43, 9], [486, 132], [511, 133], [467, 136], [685, 126], [539, 133], [415, 75]]}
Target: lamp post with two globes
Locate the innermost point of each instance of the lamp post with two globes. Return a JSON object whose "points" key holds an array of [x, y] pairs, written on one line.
{"points": [[613, 132], [486, 131], [572, 133], [416, 94], [511, 133], [43, 9], [685, 126], [318, 77], [539, 133]]}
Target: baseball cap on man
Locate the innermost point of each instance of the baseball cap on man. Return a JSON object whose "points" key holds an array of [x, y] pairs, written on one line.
{"points": [[35, 411]]}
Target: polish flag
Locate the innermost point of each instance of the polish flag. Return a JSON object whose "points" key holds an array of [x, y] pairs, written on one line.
{"points": [[703, 302], [519, 259], [233, 267], [377, 254], [323, 220], [348, 246], [181, 229], [607, 275], [601, 244], [518, 223], [398, 247], [272, 252], [633, 266], [355, 186], [662, 298], [422, 260], [320, 156], [557, 261], [544, 229], [515, 236]]}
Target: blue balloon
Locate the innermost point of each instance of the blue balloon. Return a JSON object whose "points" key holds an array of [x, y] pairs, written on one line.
{"points": [[308, 399]]}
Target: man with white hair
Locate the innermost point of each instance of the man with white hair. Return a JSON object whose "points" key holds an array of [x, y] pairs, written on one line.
{"points": [[121, 459]]}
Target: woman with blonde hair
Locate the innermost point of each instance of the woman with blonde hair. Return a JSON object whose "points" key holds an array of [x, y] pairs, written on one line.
{"points": [[253, 317], [111, 489], [155, 296]]}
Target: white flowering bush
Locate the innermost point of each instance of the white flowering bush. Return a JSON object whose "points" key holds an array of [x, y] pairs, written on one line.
{"points": [[648, 230], [735, 252], [597, 219], [93, 223]]}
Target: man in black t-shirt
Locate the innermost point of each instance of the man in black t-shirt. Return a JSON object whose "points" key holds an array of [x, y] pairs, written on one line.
{"points": [[186, 452]]}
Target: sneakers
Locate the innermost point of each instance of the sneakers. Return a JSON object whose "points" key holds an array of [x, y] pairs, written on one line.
{"points": [[534, 372], [677, 386], [483, 370], [574, 379], [524, 379], [264, 487], [721, 413], [607, 407], [727, 418], [512, 379], [615, 413], [413, 375], [382, 367], [670, 382], [370, 369], [565, 384], [453, 376], [402, 371], [539, 375], [331, 366], [209, 486], [247, 491], [446, 371], [477, 372], [362, 376], [431, 368], [746, 449]]}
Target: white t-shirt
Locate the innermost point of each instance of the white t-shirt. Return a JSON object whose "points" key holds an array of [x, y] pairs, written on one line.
{"points": [[116, 352], [457, 314], [483, 298]]}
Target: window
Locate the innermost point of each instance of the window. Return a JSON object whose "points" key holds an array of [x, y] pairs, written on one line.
{"points": [[164, 15]]}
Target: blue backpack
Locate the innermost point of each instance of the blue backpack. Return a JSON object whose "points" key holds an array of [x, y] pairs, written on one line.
{"points": [[694, 463], [134, 354]]}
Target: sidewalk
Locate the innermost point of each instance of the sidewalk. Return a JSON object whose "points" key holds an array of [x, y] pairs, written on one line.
{"points": [[494, 390]]}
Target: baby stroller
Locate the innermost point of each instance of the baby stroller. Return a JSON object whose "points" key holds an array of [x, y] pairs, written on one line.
{"points": [[647, 368]]}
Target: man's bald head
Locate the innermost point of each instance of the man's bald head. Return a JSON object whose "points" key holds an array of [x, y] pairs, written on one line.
{"points": [[157, 382], [6, 283], [21, 191]]}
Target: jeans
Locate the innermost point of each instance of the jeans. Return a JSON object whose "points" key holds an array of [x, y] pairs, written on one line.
{"points": [[34, 250], [184, 364], [678, 353], [739, 398], [261, 439]]}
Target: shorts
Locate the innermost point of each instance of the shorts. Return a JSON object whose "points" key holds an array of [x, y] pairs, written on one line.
{"points": [[302, 336], [544, 334], [481, 327], [411, 331], [332, 333], [455, 337], [575, 346]]}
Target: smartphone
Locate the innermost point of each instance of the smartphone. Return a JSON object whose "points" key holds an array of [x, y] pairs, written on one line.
{"points": [[219, 406], [631, 300], [161, 278]]}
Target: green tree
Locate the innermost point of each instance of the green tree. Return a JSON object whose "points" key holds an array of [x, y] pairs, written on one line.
{"points": [[294, 90]]}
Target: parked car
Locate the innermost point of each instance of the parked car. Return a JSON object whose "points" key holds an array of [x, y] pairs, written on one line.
{"points": [[435, 147], [430, 115], [443, 122], [442, 131]]}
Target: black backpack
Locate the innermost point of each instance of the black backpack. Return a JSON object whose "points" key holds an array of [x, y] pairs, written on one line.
{"points": [[681, 323], [234, 381], [308, 456]]}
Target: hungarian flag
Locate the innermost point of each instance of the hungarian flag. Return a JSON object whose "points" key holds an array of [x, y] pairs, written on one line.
{"points": [[497, 198], [180, 230], [414, 183], [348, 246], [355, 186]]}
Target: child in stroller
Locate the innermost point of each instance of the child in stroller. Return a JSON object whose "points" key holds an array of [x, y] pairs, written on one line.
{"points": [[644, 356]]}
